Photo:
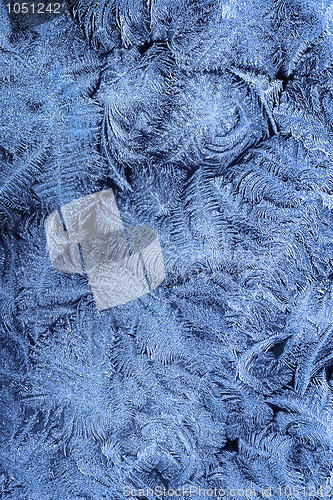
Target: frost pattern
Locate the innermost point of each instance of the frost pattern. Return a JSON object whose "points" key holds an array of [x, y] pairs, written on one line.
{"points": [[212, 122]]}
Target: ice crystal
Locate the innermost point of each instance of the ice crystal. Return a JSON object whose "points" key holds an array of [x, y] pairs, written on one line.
{"points": [[211, 120]]}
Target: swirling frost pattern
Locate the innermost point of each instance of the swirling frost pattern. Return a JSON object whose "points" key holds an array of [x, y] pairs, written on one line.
{"points": [[212, 122]]}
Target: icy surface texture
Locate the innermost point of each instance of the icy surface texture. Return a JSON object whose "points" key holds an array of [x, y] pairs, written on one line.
{"points": [[212, 123]]}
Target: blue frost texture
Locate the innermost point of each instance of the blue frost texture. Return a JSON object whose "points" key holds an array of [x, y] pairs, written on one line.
{"points": [[212, 121]]}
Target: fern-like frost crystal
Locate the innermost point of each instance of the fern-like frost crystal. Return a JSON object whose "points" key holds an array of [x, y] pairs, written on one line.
{"points": [[211, 122]]}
